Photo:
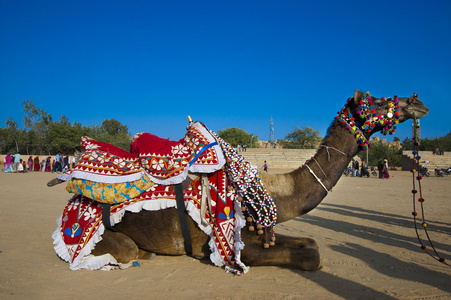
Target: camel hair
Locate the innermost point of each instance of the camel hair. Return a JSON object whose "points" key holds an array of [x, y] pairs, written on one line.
{"points": [[294, 194]]}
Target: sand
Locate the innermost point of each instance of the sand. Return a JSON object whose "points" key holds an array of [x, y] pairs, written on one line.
{"points": [[364, 228]]}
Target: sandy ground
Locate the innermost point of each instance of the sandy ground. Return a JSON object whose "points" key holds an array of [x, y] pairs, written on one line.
{"points": [[364, 228]]}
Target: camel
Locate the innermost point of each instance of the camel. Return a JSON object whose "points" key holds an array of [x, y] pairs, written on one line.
{"points": [[294, 194]]}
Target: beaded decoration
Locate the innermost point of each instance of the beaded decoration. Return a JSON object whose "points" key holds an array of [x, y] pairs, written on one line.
{"points": [[366, 119], [418, 193], [255, 200]]}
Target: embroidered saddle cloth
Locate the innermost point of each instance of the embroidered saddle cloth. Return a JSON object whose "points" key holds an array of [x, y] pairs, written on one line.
{"points": [[111, 175], [80, 227]]}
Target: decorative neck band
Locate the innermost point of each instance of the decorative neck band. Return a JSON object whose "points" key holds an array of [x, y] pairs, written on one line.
{"points": [[366, 119]]}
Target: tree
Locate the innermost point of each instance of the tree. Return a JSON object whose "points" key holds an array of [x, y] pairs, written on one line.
{"points": [[3, 142], [407, 144], [62, 137], [112, 132], [236, 136], [302, 138], [428, 144], [37, 121], [380, 151], [113, 127], [13, 135]]}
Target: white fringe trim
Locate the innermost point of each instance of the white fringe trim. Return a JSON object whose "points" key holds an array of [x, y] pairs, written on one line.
{"points": [[85, 260], [101, 178], [168, 181]]}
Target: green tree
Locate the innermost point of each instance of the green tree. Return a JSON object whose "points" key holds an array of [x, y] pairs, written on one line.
{"points": [[37, 121], [3, 142], [113, 127], [302, 138], [237, 136], [380, 151], [112, 132], [14, 136], [62, 136], [407, 144], [428, 144]]}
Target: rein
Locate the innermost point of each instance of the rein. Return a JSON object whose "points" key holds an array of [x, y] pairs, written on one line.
{"points": [[419, 193]]}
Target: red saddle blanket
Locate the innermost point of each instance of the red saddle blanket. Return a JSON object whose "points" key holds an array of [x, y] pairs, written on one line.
{"points": [[80, 226], [163, 161]]}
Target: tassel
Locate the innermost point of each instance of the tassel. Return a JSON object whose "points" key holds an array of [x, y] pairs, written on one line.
{"points": [[273, 238], [266, 245]]}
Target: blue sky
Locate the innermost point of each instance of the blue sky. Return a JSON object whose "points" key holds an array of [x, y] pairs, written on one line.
{"points": [[149, 64]]}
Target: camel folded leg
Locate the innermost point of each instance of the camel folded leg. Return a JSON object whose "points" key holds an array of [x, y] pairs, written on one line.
{"points": [[301, 258], [119, 245], [296, 242]]}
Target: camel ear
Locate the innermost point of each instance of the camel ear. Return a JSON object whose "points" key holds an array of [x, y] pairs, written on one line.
{"points": [[358, 95]]}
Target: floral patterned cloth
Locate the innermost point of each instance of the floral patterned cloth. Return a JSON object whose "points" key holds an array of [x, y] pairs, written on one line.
{"points": [[109, 192]]}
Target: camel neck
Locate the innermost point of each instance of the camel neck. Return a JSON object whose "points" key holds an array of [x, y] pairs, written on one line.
{"points": [[300, 191]]}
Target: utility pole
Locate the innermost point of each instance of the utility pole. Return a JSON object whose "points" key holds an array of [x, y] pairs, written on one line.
{"points": [[271, 132]]}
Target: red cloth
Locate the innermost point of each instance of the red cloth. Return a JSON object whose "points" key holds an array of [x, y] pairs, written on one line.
{"points": [[163, 161], [37, 165], [48, 165]]}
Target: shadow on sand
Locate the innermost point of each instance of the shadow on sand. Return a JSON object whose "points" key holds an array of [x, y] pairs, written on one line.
{"points": [[379, 261]]}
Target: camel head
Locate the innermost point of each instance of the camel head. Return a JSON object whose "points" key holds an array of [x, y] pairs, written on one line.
{"points": [[364, 114]]}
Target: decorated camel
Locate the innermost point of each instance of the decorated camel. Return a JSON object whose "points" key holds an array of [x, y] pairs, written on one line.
{"points": [[145, 195]]}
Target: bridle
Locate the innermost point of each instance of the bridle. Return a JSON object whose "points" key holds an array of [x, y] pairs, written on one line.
{"points": [[366, 118]]}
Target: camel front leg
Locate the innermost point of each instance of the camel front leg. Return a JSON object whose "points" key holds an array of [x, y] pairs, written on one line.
{"points": [[301, 258], [119, 245], [296, 242]]}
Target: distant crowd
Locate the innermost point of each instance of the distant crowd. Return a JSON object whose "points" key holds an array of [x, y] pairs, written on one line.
{"points": [[437, 151], [59, 164]]}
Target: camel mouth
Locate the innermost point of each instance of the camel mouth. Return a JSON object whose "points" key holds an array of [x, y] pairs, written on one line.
{"points": [[417, 111]]}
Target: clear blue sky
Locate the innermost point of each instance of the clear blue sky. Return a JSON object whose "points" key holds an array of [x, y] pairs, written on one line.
{"points": [[149, 64]]}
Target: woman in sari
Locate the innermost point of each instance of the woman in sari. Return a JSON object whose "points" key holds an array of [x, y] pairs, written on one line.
{"points": [[386, 175], [37, 165], [8, 167], [48, 165], [30, 163]]}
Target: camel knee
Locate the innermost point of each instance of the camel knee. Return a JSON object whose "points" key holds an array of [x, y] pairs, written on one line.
{"points": [[119, 245], [146, 255]]}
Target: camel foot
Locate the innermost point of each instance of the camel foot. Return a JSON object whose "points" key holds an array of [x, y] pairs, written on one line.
{"points": [[309, 260], [296, 242], [145, 255]]}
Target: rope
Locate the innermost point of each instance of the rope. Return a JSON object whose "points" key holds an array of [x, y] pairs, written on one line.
{"points": [[316, 177], [328, 158], [328, 154], [324, 173], [416, 165]]}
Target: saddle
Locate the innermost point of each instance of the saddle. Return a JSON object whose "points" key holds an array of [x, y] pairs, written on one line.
{"points": [[168, 162], [108, 174]]}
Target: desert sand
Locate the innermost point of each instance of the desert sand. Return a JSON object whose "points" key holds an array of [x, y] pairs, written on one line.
{"points": [[364, 228]]}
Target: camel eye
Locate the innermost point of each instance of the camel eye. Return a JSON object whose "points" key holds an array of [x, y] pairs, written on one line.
{"points": [[379, 105]]}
